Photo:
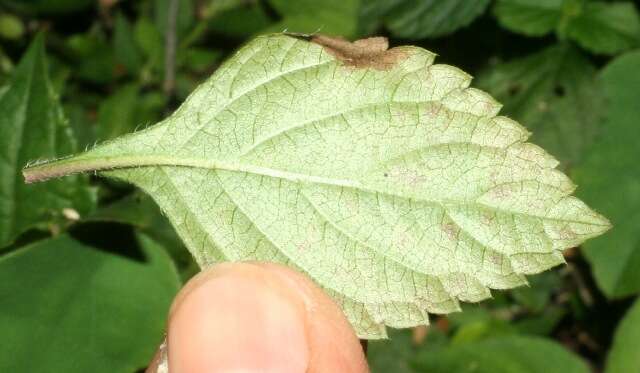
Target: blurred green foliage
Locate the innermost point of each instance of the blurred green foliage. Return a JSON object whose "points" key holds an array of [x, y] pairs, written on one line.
{"points": [[88, 267]]}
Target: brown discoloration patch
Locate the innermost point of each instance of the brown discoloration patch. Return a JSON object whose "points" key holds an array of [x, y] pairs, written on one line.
{"points": [[364, 53]]}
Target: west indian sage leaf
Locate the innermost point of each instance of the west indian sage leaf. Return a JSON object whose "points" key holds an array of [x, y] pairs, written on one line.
{"points": [[32, 126], [555, 94], [611, 180], [380, 174]]}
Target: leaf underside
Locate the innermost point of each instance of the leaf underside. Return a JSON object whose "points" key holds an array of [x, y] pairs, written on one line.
{"points": [[381, 175]]}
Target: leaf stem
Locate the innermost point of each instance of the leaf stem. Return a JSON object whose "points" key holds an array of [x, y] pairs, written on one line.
{"points": [[63, 167]]}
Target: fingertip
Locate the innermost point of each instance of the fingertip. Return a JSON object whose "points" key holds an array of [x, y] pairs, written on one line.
{"points": [[259, 317], [236, 318]]}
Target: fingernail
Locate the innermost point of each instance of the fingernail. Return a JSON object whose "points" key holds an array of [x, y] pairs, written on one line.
{"points": [[238, 323]]}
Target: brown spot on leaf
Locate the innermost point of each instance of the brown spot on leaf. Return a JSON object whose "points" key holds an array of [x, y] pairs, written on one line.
{"points": [[364, 53]]}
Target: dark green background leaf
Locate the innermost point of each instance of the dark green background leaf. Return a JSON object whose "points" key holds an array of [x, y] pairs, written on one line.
{"points": [[606, 28], [610, 180], [624, 356], [419, 19], [32, 125], [333, 17], [530, 17], [555, 95], [601, 27], [85, 310], [502, 355]]}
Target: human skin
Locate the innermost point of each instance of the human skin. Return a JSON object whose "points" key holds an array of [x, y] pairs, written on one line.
{"points": [[258, 317]]}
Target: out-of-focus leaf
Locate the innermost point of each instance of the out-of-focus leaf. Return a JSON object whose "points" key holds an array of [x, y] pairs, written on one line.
{"points": [[11, 27], [380, 174], [606, 28], [542, 323], [392, 355], [601, 27], [148, 38], [59, 73], [68, 307], [126, 110], [151, 44], [83, 127], [94, 58], [476, 322], [32, 125], [199, 59], [535, 297], [240, 22], [127, 52], [419, 19], [610, 180], [529, 17], [333, 17], [509, 354], [555, 94], [481, 329], [623, 355], [117, 114]]}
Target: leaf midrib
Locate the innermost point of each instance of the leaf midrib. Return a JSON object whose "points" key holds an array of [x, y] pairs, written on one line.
{"points": [[85, 164]]}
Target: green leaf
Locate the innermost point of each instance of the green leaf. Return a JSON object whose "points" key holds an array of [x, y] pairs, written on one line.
{"points": [[381, 175], [606, 28], [510, 354], [529, 17], [199, 59], [543, 323], [94, 59], [393, 355], [623, 356], [126, 109], [333, 17], [31, 126], [238, 21], [68, 307], [125, 48], [536, 296], [82, 124], [610, 179], [481, 329], [555, 94], [149, 39], [420, 19], [117, 114], [601, 27]]}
